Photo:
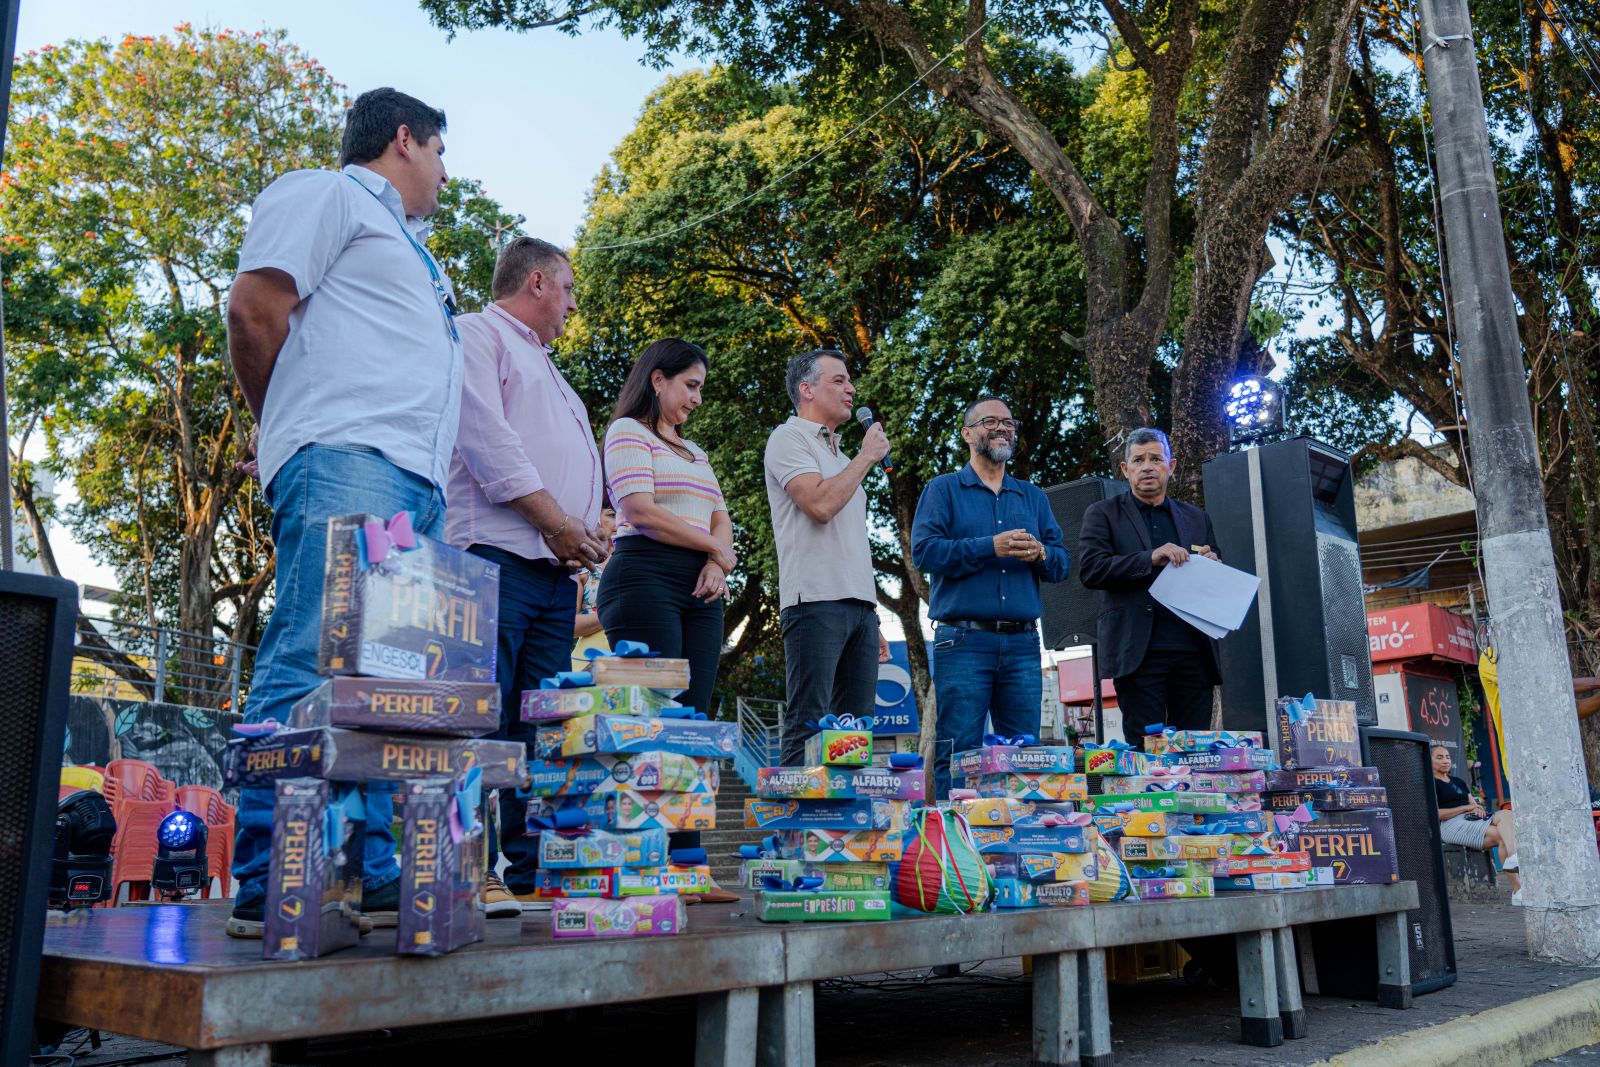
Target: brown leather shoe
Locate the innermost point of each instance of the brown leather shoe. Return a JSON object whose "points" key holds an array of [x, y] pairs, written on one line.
{"points": [[715, 895]]}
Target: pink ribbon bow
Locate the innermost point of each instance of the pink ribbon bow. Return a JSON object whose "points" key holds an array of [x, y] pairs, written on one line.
{"points": [[1285, 823], [382, 537]]}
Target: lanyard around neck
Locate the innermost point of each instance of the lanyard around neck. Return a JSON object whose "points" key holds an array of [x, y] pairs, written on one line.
{"points": [[447, 303]]}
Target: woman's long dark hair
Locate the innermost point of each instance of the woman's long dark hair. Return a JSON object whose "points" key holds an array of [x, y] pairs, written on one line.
{"points": [[671, 356]]}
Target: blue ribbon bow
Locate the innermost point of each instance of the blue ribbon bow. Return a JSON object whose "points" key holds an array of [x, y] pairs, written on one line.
{"points": [[565, 819], [623, 650], [767, 849], [469, 798], [843, 722], [1155, 872], [1299, 710], [1002, 741], [1115, 809], [567, 680], [679, 713], [1204, 829], [1109, 746], [808, 884], [346, 805]]}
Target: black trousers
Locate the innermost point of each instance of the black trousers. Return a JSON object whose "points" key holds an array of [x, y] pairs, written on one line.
{"points": [[646, 594], [1172, 687], [830, 656]]}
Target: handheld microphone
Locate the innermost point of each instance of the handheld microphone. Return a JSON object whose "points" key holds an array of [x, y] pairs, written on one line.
{"points": [[864, 417]]}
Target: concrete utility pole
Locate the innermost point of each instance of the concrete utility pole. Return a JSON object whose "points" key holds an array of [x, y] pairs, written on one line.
{"points": [[1560, 867]]}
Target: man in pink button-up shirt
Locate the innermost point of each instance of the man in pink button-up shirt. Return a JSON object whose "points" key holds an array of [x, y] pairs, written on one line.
{"points": [[525, 492]]}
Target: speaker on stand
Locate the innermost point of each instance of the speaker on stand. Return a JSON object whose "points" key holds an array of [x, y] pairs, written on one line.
{"points": [[1072, 612], [37, 619], [1285, 512]]}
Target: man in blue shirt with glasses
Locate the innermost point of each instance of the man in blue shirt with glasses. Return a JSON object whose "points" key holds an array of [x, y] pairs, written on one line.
{"points": [[987, 539]]}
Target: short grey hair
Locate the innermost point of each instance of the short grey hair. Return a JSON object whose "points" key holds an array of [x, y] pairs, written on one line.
{"points": [[1146, 435], [804, 369], [518, 260]]}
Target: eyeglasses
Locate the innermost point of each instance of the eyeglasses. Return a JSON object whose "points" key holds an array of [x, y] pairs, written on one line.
{"points": [[992, 423]]}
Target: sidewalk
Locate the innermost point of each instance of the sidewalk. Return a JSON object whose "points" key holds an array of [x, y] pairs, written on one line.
{"points": [[979, 1020]]}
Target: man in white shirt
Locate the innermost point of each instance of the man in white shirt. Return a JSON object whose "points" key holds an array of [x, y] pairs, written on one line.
{"points": [[341, 329], [827, 595]]}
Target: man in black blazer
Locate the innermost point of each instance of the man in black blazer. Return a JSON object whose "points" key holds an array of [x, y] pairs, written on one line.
{"points": [[1163, 667]]}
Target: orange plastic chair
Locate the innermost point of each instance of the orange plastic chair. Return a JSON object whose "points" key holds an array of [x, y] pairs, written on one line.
{"points": [[218, 816], [140, 798]]}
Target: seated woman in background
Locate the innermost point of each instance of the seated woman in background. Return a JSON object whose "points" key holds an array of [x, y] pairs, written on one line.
{"points": [[1462, 820]]}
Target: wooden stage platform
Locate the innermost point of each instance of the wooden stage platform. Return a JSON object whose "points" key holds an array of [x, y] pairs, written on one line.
{"points": [[168, 973]]}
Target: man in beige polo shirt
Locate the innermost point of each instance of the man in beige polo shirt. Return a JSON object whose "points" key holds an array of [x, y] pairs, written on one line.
{"points": [[826, 591]]}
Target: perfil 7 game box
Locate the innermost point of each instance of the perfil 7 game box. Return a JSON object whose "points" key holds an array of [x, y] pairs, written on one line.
{"points": [[313, 904], [441, 871], [362, 756], [460, 709], [396, 604]]}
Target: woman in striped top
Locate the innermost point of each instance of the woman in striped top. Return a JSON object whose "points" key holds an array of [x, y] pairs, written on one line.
{"points": [[666, 578]]}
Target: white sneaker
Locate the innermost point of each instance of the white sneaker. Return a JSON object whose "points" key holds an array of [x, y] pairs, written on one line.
{"points": [[1516, 898], [1509, 863]]}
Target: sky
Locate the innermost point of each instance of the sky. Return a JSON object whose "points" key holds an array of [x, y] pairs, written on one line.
{"points": [[533, 116]]}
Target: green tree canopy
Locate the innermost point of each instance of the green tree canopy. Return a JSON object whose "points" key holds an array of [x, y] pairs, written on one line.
{"points": [[128, 178], [919, 248]]}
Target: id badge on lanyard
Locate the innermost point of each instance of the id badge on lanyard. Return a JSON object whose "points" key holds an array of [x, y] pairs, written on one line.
{"points": [[441, 292]]}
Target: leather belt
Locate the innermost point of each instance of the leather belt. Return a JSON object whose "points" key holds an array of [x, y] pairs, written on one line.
{"points": [[994, 627]]}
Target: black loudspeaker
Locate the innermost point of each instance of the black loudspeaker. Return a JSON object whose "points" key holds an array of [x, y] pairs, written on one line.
{"points": [[1343, 954], [37, 618], [1286, 512], [1406, 769], [1071, 612]]}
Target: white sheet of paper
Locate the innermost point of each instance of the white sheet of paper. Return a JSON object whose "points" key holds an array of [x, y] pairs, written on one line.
{"points": [[1203, 589], [1210, 629]]}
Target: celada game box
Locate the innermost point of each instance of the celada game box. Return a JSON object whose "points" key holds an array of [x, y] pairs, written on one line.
{"points": [[461, 709], [425, 612], [313, 904], [441, 877], [361, 756]]}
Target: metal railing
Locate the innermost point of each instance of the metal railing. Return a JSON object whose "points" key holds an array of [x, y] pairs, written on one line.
{"points": [[759, 721], [133, 661]]}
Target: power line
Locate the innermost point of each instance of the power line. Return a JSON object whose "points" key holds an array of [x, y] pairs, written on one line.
{"points": [[786, 175], [1561, 32]]}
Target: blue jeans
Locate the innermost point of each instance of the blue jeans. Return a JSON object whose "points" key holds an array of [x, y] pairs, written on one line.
{"points": [[538, 601], [977, 674], [318, 482]]}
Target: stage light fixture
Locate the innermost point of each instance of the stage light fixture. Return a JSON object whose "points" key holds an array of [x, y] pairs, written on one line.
{"points": [[80, 866], [1254, 409], [180, 865]]}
